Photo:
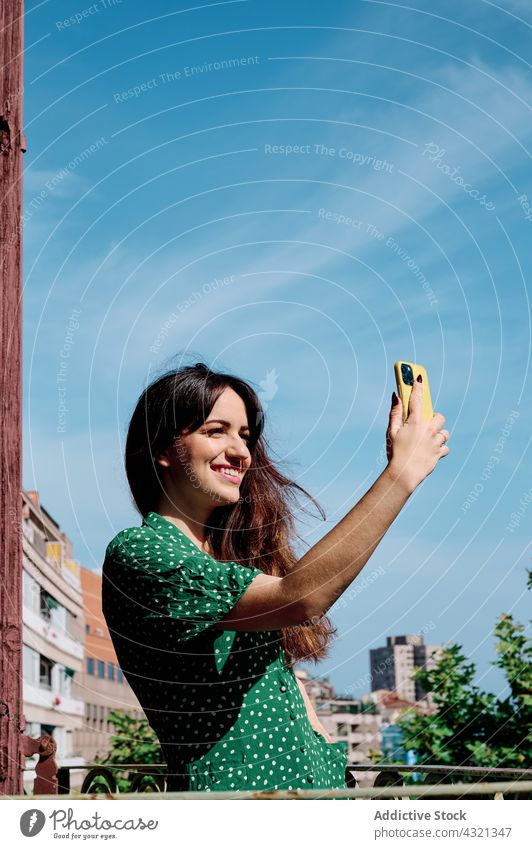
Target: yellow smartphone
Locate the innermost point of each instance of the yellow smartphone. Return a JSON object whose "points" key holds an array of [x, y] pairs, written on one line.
{"points": [[405, 374]]}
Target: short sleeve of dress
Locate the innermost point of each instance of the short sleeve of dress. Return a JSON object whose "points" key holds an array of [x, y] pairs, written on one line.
{"points": [[191, 588]]}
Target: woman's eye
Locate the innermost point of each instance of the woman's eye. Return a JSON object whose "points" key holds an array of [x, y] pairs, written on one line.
{"points": [[245, 436]]}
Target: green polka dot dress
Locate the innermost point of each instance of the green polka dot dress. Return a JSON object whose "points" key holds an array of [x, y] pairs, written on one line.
{"points": [[227, 710]]}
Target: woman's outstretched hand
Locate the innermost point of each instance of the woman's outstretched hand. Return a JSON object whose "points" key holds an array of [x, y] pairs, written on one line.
{"points": [[326, 570], [414, 447]]}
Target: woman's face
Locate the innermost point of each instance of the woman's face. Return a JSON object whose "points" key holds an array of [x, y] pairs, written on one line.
{"points": [[213, 459]]}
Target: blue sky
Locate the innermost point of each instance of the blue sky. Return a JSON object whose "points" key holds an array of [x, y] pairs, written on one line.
{"points": [[301, 194]]}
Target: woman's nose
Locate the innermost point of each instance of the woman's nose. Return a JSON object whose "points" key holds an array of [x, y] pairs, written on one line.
{"points": [[238, 449]]}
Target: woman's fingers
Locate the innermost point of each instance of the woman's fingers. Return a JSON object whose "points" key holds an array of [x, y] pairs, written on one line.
{"points": [[415, 406], [394, 423], [441, 438], [423, 443], [396, 416], [437, 422]]}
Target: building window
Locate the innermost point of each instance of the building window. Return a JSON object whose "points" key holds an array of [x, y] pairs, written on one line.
{"points": [[39, 541], [32, 729], [58, 615], [45, 672], [44, 606], [30, 592], [110, 671], [27, 529], [48, 604], [119, 676], [30, 665], [65, 680], [90, 666], [101, 669]]}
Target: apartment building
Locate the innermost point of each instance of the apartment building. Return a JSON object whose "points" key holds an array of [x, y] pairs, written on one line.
{"points": [[350, 721], [71, 676], [53, 632], [358, 725], [367, 725]]}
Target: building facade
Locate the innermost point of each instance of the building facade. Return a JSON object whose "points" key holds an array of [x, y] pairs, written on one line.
{"points": [[101, 685], [367, 726], [355, 724], [392, 666], [71, 677], [350, 721], [53, 632]]}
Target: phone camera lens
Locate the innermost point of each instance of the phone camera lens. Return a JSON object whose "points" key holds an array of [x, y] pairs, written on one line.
{"points": [[408, 376]]}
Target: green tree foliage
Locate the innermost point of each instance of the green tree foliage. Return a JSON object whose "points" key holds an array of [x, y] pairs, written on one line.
{"points": [[472, 727], [134, 742]]}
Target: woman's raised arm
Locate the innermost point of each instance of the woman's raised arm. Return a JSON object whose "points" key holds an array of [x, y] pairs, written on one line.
{"points": [[329, 567]]}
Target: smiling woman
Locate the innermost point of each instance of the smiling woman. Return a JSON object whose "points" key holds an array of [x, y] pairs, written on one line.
{"points": [[206, 602], [216, 519]]}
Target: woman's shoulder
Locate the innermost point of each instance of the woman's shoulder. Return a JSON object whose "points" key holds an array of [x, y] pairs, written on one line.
{"points": [[153, 546], [125, 536], [130, 541]]}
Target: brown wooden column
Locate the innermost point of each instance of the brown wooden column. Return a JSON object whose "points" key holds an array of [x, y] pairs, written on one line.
{"points": [[12, 144]]}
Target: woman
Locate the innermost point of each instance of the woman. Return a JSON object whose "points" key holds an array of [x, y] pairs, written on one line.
{"points": [[207, 604]]}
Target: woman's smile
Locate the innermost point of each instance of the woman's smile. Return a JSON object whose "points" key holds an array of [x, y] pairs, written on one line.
{"points": [[228, 473]]}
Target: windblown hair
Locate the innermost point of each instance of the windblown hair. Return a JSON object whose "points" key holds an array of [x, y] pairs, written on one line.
{"points": [[259, 529]]}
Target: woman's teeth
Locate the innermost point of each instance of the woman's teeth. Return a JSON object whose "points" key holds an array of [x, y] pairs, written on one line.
{"points": [[228, 473]]}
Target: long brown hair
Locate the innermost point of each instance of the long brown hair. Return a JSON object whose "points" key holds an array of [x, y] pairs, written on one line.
{"points": [[259, 529]]}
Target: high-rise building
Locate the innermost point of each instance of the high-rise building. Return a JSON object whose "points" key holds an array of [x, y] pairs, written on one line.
{"points": [[392, 666]]}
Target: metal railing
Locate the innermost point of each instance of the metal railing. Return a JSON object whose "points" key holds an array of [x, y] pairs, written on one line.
{"points": [[438, 781], [389, 783], [487, 790]]}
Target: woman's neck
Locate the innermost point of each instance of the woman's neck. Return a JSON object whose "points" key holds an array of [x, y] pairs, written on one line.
{"points": [[191, 526]]}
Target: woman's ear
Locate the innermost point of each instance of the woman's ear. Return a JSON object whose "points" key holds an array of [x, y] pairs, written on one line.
{"points": [[162, 460]]}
